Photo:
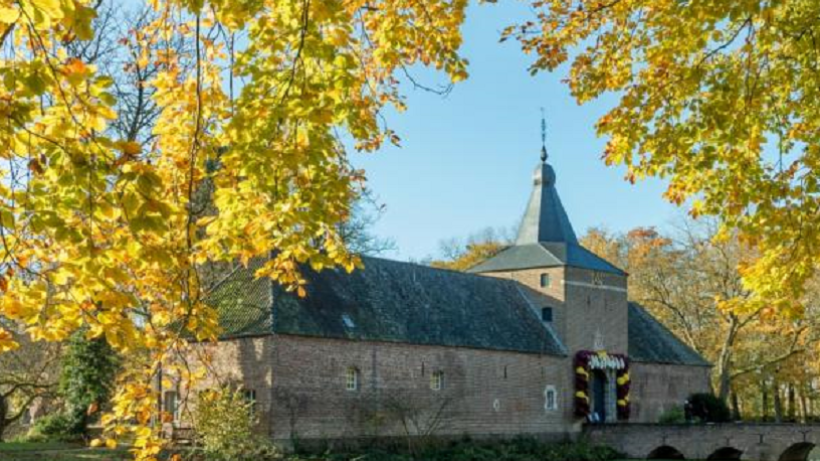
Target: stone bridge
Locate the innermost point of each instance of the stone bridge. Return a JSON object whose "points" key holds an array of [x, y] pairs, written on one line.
{"points": [[719, 442]]}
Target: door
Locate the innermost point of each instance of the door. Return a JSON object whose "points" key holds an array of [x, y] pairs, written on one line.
{"points": [[598, 397]]}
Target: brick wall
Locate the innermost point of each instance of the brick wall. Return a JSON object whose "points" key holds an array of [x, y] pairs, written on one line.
{"points": [[553, 296], [246, 362], [751, 441], [594, 309], [300, 385], [656, 388], [484, 392], [582, 308]]}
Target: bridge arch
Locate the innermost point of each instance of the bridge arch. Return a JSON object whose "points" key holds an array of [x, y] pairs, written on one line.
{"points": [[797, 452], [726, 454], [665, 452]]}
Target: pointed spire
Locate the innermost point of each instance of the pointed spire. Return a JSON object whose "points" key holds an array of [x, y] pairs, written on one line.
{"points": [[545, 219], [543, 137]]}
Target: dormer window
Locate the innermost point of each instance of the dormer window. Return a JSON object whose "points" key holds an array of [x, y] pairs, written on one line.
{"points": [[545, 280], [546, 314], [348, 321]]}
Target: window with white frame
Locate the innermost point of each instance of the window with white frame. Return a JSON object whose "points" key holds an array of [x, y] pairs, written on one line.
{"points": [[352, 379], [550, 398], [437, 380]]}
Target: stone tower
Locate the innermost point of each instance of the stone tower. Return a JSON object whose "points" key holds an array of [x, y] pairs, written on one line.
{"points": [[585, 296]]}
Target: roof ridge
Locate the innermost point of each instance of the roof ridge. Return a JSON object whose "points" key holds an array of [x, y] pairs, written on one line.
{"points": [[434, 268]]}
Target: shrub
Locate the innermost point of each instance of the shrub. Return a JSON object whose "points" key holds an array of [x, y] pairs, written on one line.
{"points": [[519, 449], [674, 415], [710, 409], [57, 427], [224, 428]]}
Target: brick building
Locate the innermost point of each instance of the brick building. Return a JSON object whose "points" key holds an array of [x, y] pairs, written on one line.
{"points": [[539, 339]]}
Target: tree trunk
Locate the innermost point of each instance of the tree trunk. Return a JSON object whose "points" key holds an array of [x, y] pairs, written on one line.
{"points": [[778, 404], [804, 410], [724, 365], [735, 407], [4, 409], [792, 408], [764, 390]]}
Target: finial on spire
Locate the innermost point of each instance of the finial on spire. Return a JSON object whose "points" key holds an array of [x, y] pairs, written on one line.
{"points": [[543, 137]]}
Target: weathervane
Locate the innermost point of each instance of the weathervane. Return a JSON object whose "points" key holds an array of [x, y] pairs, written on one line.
{"points": [[543, 137]]}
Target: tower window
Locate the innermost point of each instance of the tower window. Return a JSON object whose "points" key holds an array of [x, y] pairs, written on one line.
{"points": [[437, 380], [546, 314], [352, 379], [545, 280]]}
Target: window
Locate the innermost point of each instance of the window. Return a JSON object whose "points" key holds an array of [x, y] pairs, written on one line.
{"points": [[550, 398], [348, 321], [250, 398], [437, 380], [546, 314], [352, 379], [545, 280], [171, 406], [597, 278]]}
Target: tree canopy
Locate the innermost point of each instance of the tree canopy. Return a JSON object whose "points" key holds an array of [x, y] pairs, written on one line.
{"points": [[720, 99], [106, 230], [227, 145]]}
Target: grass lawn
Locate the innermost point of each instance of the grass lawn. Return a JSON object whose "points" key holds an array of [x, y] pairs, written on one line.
{"points": [[54, 451]]}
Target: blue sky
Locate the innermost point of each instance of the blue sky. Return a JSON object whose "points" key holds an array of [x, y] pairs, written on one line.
{"points": [[466, 160]]}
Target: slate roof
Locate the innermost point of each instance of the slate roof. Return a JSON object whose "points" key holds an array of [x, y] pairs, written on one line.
{"points": [[545, 219], [546, 254], [408, 303], [243, 303], [650, 341], [390, 301], [545, 237]]}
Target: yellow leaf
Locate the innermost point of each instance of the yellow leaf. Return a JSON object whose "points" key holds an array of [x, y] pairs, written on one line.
{"points": [[9, 15], [130, 147], [50, 8]]}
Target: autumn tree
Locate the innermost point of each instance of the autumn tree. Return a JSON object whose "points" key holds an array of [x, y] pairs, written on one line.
{"points": [[718, 98], [100, 227], [690, 281], [26, 375], [461, 254], [357, 230]]}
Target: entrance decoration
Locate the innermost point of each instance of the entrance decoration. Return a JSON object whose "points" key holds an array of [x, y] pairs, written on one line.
{"points": [[587, 361]]}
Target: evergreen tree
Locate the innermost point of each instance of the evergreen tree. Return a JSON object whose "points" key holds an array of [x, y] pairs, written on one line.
{"points": [[87, 379]]}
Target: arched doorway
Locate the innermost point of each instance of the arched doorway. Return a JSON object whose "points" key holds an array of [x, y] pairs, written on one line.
{"points": [[599, 389], [725, 454], [799, 452], [665, 452]]}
